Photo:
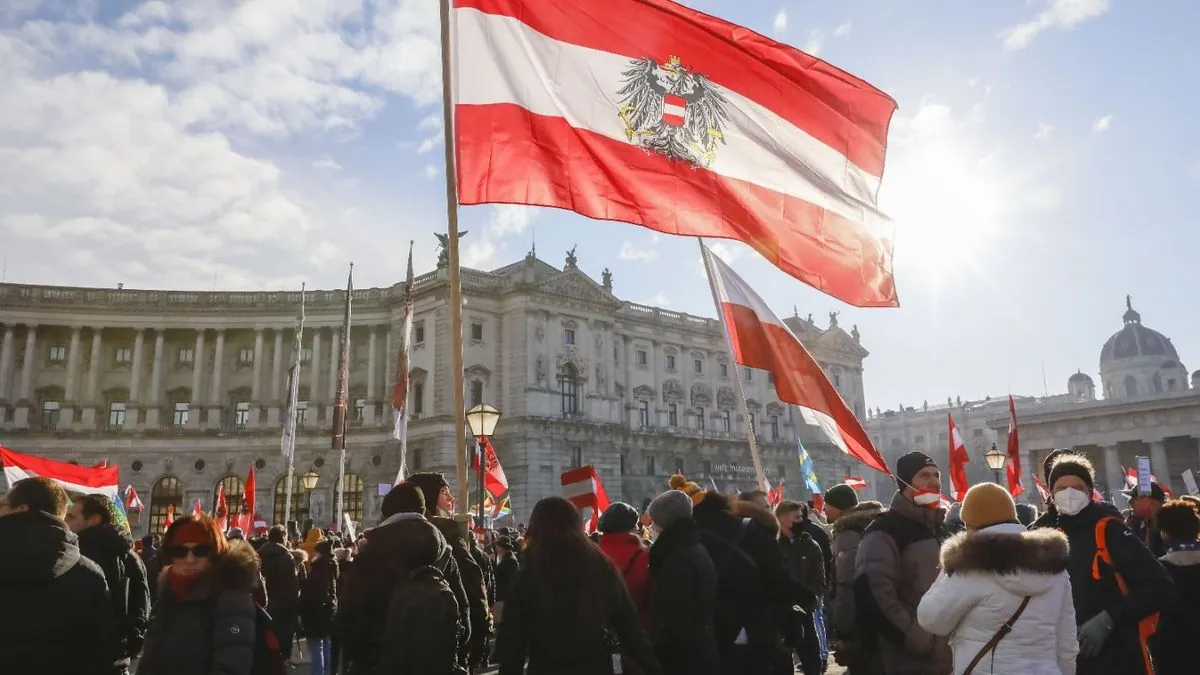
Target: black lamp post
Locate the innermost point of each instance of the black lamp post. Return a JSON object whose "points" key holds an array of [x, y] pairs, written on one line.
{"points": [[482, 419]]}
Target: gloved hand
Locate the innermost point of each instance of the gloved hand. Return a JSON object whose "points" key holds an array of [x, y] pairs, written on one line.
{"points": [[1093, 633]]}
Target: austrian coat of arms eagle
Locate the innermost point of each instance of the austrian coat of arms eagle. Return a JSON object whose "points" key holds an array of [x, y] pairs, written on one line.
{"points": [[672, 110]]}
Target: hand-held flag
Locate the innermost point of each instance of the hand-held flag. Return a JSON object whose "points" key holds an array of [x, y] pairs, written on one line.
{"points": [[807, 471], [582, 487], [1014, 452], [958, 461], [96, 480], [400, 386]]}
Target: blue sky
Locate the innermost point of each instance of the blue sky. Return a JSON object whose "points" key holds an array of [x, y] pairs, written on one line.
{"points": [[1039, 169]]}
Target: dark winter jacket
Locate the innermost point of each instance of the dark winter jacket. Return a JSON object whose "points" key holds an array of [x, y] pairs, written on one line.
{"points": [[632, 559], [318, 598], [400, 544], [805, 562], [684, 602], [477, 611], [558, 638], [153, 564], [506, 572], [279, 572], [57, 617], [898, 560], [1150, 536], [1179, 625], [211, 629], [847, 533], [1150, 587], [821, 536], [487, 569], [128, 589]]}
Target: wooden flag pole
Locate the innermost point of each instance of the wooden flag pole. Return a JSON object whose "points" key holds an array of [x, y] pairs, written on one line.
{"points": [[456, 337], [737, 377]]}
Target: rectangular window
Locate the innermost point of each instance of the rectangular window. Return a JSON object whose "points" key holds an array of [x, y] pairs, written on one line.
{"points": [[678, 465], [700, 419], [698, 366], [477, 331], [782, 475], [241, 414], [616, 355], [837, 380], [476, 393], [673, 414], [724, 370], [568, 336], [670, 362], [650, 465], [749, 375], [187, 355], [978, 433], [707, 467], [726, 422], [301, 412], [919, 439], [245, 357], [774, 427], [771, 379], [641, 357], [360, 406], [576, 457], [50, 413], [942, 437], [418, 398], [306, 355], [116, 414], [179, 416], [622, 465], [58, 354], [896, 443], [123, 355], [644, 413], [419, 332]]}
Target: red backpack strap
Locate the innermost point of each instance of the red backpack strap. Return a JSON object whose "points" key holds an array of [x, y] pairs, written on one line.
{"points": [[1103, 554]]}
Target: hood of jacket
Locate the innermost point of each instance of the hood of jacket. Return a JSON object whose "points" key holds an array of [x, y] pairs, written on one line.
{"points": [[105, 539], [44, 549], [407, 540], [858, 517], [1182, 558], [764, 517], [1024, 562], [621, 546]]}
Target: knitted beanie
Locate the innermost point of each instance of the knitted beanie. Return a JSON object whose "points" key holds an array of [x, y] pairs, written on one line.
{"points": [[987, 504], [669, 507], [619, 517], [841, 497], [909, 465]]}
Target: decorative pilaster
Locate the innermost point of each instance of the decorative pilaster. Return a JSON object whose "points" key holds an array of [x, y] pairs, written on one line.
{"points": [[197, 371], [6, 362], [91, 399], [155, 407], [71, 391], [313, 418], [1113, 473], [216, 392], [372, 343], [256, 380]]}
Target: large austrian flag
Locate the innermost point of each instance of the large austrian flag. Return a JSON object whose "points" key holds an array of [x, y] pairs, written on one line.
{"points": [[651, 113], [71, 477], [758, 339]]}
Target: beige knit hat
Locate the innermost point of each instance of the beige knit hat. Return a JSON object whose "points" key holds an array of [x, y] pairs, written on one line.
{"points": [[987, 504]]}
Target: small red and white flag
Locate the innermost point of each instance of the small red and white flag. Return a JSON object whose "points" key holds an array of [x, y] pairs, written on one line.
{"points": [[197, 509], [958, 461], [856, 482], [132, 502], [221, 512], [759, 339], [169, 519], [652, 113], [583, 488], [1043, 491], [245, 519], [1014, 452], [96, 480]]}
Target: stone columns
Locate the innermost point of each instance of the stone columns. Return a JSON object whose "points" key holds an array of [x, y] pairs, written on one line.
{"points": [[1114, 475], [334, 351], [256, 380], [216, 390], [25, 393], [152, 411], [71, 391], [91, 401], [389, 367], [372, 395], [1158, 463], [6, 363], [135, 369], [276, 378], [313, 418], [197, 371]]}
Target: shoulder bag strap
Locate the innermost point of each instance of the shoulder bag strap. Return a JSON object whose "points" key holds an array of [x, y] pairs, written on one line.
{"points": [[1000, 634]]}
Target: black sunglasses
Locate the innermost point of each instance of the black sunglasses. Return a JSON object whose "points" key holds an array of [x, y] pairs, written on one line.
{"points": [[197, 551]]}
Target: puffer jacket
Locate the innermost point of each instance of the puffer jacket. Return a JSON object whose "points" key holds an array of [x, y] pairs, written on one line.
{"points": [[898, 560], [985, 576], [211, 629], [632, 559], [1175, 642], [844, 541]]}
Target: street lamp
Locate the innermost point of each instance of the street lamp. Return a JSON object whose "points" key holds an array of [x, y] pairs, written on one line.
{"points": [[995, 461], [309, 480], [482, 419]]}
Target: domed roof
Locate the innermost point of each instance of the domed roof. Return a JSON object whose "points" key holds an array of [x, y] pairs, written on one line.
{"points": [[1079, 377], [1135, 340]]}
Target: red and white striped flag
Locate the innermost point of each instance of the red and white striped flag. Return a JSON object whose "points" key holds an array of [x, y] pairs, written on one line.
{"points": [[169, 519], [94, 480], [400, 386], [197, 509], [958, 461], [652, 113], [1014, 452], [856, 482], [221, 511], [759, 339], [582, 487], [1043, 491], [132, 502]]}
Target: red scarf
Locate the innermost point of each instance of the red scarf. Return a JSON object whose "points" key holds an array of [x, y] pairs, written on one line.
{"points": [[180, 585]]}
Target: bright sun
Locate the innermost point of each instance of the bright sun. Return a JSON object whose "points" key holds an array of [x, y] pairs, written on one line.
{"points": [[944, 206]]}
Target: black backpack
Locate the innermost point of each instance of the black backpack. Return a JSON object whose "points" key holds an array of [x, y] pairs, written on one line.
{"points": [[420, 598], [268, 649], [740, 590], [872, 624]]}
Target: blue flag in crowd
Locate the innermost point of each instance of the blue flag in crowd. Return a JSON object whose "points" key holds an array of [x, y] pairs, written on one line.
{"points": [[806, 470]]}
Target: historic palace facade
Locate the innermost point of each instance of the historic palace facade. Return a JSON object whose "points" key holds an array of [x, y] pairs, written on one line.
{"points": [[185, 390]]}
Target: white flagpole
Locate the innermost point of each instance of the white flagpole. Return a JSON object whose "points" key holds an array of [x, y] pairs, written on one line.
{"points": [[737, 377], [289, 423]]}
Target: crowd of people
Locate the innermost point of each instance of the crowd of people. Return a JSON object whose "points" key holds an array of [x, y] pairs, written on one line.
{"points": [[697, 582]]}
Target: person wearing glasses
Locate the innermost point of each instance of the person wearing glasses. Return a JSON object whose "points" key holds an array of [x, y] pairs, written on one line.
{"points": [[203, 621]]}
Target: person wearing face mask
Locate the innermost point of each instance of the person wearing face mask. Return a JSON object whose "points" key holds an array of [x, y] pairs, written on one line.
{"points": [[1117, 585], [897, 562]]}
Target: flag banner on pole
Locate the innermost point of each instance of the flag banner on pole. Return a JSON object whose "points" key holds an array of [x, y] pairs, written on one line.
{"points": [[221, 512], [245, 519], [287, 445], [132, 502], [856, 482], [811, 482], [958, 461], [197, 509], [343, 375], [400, 386], [652, 113], [169, 519], [93, 480], [759, 339], [1043, 491], [582, 487], [1014, 452], [494, 480]]}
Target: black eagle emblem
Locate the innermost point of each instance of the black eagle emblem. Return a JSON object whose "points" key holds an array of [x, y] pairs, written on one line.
{"points": [[672, 110]]}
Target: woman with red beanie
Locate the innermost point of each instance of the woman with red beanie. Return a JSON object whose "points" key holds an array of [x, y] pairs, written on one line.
{"points": [[203, 621]]}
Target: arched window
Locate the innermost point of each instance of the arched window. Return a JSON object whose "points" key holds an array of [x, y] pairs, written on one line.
{"points": [[1130, 386], [166, 492], [233, 494], [352, 487], [299, 500], [568, 386], [1156, 381]]}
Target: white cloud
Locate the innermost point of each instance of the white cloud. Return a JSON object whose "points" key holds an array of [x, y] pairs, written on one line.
{"points": [[630, 252], [1060, 14], [506, 221], [814, 43], [429, 144], [780, 23], [726, 251], [1043, 131], [327, 164], [843, 29], [1102, 124], [431, 171]]}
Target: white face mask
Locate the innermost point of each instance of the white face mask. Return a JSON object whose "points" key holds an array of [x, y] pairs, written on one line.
{"points": [[1070, 501]]}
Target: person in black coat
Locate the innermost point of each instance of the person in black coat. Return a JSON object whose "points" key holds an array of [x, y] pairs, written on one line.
{"points": [[683, 602], [1108, 617], [318, 604], [107, 545], [57, 617], [283, 586], [506, 567], [1179, 625]]}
